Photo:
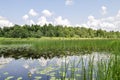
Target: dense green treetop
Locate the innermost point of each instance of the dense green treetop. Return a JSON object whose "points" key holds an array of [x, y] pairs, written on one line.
{"points": [[50, 30]]}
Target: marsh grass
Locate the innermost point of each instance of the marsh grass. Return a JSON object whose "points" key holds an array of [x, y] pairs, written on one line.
{"points": [[102, 69], [46, 46]]}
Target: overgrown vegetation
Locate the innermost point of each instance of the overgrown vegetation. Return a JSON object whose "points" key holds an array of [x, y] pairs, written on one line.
{"points": [[51, 47], [84, 68], [92, 69], [50, 30]]}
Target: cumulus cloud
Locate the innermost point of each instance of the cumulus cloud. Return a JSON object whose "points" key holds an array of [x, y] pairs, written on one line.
{"points": [[81, 25], [108, 23], [31, 22], [47, 13], [42, 21], [104, 10], [5, 22], [60, 21], [56, 21], [25, 17], [27, 20], [93, 23], [45, 18], [33, 13], [118, 14], [69, 2]]}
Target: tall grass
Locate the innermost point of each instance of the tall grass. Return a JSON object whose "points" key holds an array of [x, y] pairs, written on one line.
{"points": [[107, 69], [50, 47]]}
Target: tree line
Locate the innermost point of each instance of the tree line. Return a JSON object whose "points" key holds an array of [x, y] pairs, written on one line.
{"points": [[50, 30]]}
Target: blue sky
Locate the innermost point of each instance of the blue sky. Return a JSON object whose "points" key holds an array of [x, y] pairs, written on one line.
{"points": [[88, 13]]}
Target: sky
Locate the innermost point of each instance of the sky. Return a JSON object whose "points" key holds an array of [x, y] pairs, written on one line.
{"points": [[96, 14]]}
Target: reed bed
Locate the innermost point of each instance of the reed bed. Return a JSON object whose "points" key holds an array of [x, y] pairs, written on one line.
{"points": [[56, 47], [93, 69]]}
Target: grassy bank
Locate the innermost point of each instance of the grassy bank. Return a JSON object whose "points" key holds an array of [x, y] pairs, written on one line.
{"points": [[57, 46]]}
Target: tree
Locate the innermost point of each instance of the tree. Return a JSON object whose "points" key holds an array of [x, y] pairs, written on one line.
{"points": [[18, 32], [1, 33], [100, 33], [50, 30]]}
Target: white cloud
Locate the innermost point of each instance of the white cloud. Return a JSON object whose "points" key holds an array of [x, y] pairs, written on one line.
{"points": [[27, 20], [25, 17], [104, 10], [33, 13], [5, 22], [42, 21], [108, 23], [69, 2], [31, 22], [84, 25], [92, 22], [77, 25], [47, 13], [60, 21], [56, 21], [81, 25], [118, 15]]}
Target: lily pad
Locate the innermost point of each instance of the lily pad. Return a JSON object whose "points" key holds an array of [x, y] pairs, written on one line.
{"points": [[52, 74], [19, 78], [78, 75], [5, 73], [37, 77], [9, 77], [52, 78]]}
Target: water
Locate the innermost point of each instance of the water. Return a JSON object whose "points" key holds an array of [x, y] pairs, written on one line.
{"points": [[46, 69]]}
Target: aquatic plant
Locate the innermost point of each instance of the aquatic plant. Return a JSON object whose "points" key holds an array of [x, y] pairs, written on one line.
{"points": [[55, 47]]}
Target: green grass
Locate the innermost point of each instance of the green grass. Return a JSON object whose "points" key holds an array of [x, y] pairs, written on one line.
{"points": [[59, 46], [102, 70], [107, 68], [49, 47]]}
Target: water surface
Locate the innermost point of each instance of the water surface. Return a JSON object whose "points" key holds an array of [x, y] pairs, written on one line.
{"points": [[47, 69]]}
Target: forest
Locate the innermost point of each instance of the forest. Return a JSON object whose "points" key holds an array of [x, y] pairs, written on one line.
{"points": [[37, 31]]}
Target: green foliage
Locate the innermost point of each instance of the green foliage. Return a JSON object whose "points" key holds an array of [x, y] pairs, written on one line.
{"points": [[50, 47], [50, 30]]}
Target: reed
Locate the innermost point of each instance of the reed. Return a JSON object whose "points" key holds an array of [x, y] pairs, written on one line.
{"points": [[57, 47], [107, 69]]}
